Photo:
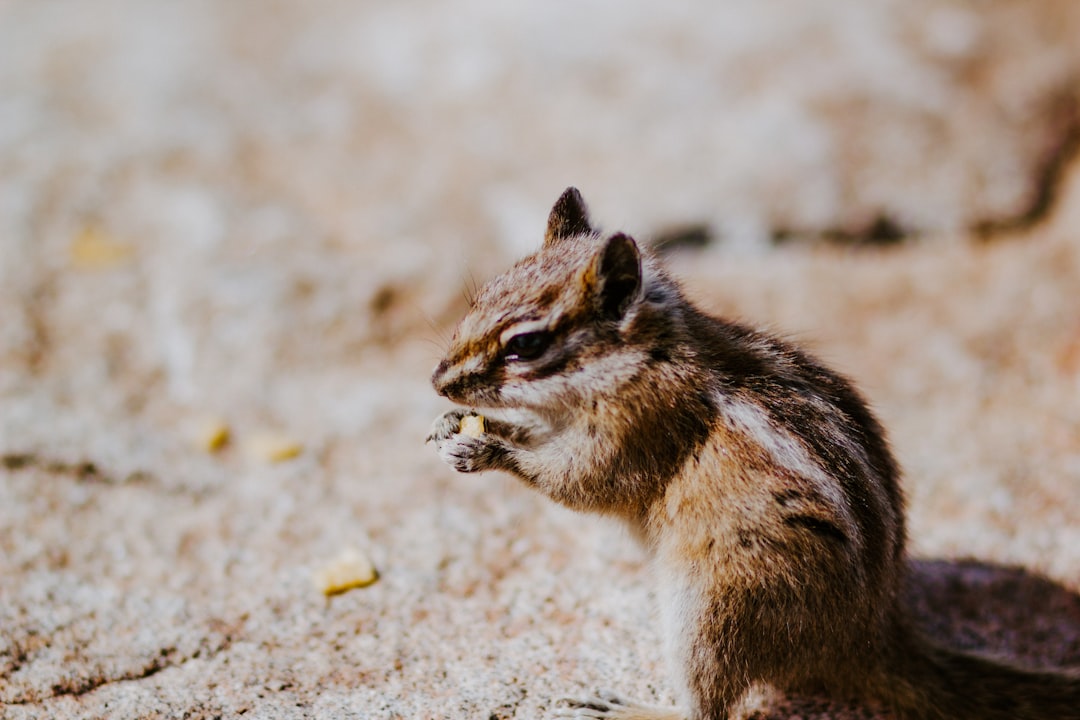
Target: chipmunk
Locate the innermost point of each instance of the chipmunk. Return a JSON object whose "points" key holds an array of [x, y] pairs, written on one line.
{"points": [[756, 478]]}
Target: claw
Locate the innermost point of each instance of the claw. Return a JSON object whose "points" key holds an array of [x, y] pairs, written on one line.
{"points": [[591, 708], [446, 425], [607, 705]]}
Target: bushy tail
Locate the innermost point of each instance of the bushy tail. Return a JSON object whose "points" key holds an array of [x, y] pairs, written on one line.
{"points": [[941, 683]]}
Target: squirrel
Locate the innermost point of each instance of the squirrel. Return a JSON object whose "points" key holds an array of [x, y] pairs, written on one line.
{"points": [[758, 481]]}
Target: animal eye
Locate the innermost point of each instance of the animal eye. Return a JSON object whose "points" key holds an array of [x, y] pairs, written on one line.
{"points": [[528, 346]]}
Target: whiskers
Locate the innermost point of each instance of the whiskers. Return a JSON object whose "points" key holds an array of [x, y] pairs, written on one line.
{"points": [[469, 289], [437, 336]]}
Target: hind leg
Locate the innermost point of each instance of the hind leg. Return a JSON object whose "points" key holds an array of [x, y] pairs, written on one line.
{"points": [[610, 706]]}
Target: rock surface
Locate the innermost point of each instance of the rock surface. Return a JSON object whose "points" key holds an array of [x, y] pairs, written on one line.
{"points": [[266, 214]]}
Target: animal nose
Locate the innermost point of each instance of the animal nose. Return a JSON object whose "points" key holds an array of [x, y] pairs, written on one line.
{"points": [[438, 378]]}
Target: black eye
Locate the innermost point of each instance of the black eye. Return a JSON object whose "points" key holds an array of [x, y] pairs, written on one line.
{"points": [[528, 346]]}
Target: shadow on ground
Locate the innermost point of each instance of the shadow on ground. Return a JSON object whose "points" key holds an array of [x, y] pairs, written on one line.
{"points": [[1002, 611]]}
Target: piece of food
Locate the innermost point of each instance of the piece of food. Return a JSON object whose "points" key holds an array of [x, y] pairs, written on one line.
{"points": [[351, 569], [211, 434], [273, 447], [472, 425], [92, 249]]}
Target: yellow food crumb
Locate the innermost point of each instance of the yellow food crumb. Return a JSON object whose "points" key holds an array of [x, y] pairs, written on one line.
{"points": [[273, 447], [212, 434], [472, 425], [94, 250], [350, 569]]}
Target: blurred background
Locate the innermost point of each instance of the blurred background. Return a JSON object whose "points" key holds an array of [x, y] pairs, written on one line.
{"points": [[266, 213], [286, 173]]}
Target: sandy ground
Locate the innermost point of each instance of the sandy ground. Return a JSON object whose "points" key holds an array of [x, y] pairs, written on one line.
{"points": [[267, 213]]}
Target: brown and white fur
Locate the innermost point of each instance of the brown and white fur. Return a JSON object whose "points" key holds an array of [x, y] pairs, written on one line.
{"points": [[756, 478]]}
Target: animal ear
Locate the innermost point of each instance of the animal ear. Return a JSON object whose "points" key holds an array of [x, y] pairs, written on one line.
{"points": [[569, 217], [614, 276]]}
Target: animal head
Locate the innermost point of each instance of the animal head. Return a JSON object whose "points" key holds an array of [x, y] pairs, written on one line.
{"points": [[553, 328]]}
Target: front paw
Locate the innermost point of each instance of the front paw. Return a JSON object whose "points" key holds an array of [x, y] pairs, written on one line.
{"points": [[469, 454], [465, 451], [447, 425]]}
